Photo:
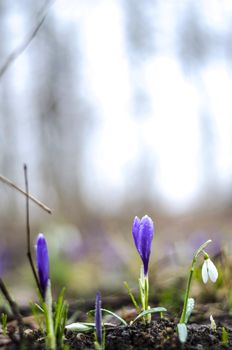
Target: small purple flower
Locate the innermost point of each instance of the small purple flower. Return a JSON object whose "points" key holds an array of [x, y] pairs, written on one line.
{"points": [[143, 232], [42, 262], [98, 318]]}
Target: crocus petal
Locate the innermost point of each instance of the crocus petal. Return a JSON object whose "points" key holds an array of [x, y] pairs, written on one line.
{"points": [[204, 272], [212, 270], [143, 232], [42, 262], [135, 231], [146, 236], [98, 318]]}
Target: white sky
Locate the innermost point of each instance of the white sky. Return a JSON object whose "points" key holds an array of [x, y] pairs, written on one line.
{"points": [[170, 128]]}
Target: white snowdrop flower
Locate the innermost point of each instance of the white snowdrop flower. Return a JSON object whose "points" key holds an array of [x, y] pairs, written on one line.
{"points": [[209, 270]]}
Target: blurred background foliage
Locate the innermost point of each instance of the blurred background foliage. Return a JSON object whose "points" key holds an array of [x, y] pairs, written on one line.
{"points": [[119, 108]]}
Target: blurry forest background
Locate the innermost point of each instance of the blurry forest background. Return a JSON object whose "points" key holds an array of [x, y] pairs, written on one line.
{"points": [[119, 108]]}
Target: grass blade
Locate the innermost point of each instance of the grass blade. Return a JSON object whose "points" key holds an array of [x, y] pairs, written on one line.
{"points": [[132, 296], [150, 311], [112, 314]]}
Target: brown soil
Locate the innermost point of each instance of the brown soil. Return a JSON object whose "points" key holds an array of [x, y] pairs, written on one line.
{"points": [[159, 334]]}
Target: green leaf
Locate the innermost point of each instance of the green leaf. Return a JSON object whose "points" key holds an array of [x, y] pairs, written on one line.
{"points": [[4, 323], [107, 324], [112, 314], [36, 312], [38, 307], [116, 316], [58, 314], [60, 318], [182, 332], [79, 327], [89, 324], [225, 336], [190, 307], [150, 311], [131, 296], [86, 326]]}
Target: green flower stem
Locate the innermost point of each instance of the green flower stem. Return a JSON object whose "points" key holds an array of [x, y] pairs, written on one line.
{"points": [[146, 293], [182, 319], [51, 339], [147, 318], [201, 249], [97, 346], [143, 289]]}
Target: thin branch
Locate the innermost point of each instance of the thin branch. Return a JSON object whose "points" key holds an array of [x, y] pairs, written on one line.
{"points": [[35, 200], [29, 232], [27, 210], [14, 307], [22, 47]]}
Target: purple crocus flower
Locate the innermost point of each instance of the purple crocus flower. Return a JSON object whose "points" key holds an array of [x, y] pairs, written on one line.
{"points": [[143, 232], [98, 318], [42, 262]]}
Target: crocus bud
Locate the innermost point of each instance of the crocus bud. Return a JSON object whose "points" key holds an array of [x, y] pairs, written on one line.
{"points": [[98, 318], [42, 262], [143, 232]]}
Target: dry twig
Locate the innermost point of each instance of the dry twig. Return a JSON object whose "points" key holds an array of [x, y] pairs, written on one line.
{"points": [[29, 233], [35, 200], [22, 47], [14, 307]]}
